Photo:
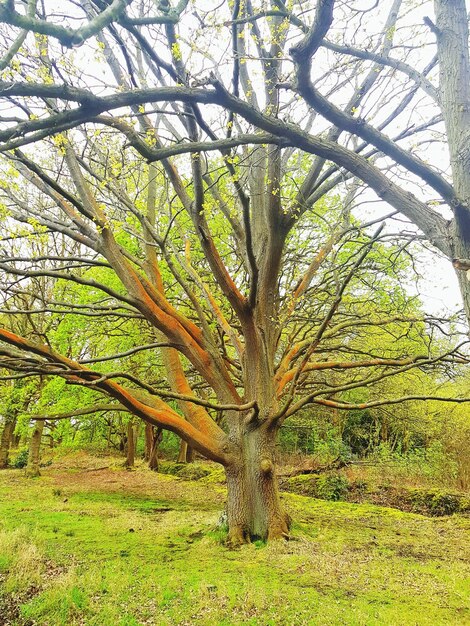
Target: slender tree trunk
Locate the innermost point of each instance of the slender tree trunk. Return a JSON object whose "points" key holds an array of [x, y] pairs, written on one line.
{"points": [[182, 452], [153, 438], [32, 469], [6, 440], [148, 441], [254, 509], [136, 435], [186, 453], [157, 436], [130, 457]]}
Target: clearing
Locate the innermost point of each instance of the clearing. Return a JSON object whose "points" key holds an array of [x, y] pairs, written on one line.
{"points": [[102, 546]]}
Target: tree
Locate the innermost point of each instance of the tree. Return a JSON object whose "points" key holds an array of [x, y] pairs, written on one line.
{"points": [[241, 265]]}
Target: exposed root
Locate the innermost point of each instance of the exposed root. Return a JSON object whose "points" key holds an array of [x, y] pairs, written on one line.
{"points": [[238, 536], [279, 529]]}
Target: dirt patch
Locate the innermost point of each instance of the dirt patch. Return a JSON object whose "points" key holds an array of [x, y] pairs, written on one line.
{"points": [[10, 604], [141, 482]]}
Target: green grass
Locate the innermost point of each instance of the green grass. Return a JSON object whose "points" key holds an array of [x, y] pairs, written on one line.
{"points": [[71, 554]]}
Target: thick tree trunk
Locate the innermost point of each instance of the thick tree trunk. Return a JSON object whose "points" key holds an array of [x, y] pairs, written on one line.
{"points": [[6, 440], [462, 251], [254, 509], [32, 469], [454, 84]]}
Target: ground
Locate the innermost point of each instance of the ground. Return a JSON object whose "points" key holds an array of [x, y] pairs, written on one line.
{"points": [[89, 544]]}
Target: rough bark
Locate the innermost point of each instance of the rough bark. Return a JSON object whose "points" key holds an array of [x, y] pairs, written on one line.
{"points": [[254, 510], [454, 87], [32, 469], [6, 440]]}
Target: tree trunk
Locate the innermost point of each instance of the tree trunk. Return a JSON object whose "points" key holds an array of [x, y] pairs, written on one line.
{"points": [[157, 436], [32, 469], [186, 453], [454, 86], [130, 457], [254, 509], [463, 248], [148, 441], [136, 435], [153, 438], [6, 440]]}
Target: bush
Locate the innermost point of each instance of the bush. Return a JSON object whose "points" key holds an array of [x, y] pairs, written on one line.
{"points": [[435, 502], [332, 487], [187, 471], [193, 471], [21, 459], [304, 485]]}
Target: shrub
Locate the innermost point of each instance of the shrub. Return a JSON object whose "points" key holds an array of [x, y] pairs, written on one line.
{"points": [[21, 459], [304, 484], [332, 487], [187, 471], [435, 502]]}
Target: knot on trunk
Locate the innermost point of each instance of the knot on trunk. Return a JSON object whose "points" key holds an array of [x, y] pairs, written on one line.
{"points": [[266, 466]]}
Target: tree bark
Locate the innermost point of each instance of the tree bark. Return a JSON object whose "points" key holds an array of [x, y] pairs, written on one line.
{"points": [[254, 510], [130, 456], [32, 469], [182, 452], [454, 85], [186, 453], [6, 440], [148, 441], [153, 438]]}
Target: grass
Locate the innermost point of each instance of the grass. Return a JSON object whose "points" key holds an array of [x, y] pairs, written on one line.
{"points": [[117, 548]]}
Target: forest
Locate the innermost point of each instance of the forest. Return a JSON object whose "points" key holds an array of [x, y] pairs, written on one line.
{"points": [[234, 312]]}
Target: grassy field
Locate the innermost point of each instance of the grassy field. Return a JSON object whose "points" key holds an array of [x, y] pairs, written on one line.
{"points": [[109, 547]]}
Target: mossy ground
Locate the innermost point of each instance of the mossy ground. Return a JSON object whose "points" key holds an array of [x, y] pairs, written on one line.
{"points": [[115, 548]]}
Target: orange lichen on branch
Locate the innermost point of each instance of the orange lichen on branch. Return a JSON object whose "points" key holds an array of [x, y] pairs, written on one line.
{"points": [[287, 360], [160, 414], [323, 365], [196, 415], [312, 269], [165, 417], [212, 302]]}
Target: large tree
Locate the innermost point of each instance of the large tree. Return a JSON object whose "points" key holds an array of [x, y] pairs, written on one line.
{"points": [[182, 159]]}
